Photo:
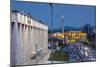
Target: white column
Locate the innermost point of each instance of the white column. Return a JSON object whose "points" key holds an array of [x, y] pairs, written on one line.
{"points": [[40, 38], [14, 34], [31, 45], [19, 46], [46, 38], [33, 48], [36, 38], [46, 41], [28, 45], [43, 40], [39, 45], [23, 43]]}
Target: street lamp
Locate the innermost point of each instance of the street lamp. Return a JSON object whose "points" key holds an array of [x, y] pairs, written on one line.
{"points": [[51, 8], [62, 18]]}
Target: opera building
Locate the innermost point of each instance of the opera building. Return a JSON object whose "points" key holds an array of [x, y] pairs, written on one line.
{"points": [[28, 36]]}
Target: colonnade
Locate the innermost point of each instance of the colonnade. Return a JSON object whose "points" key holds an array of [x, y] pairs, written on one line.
{"points": [[24, 39]]}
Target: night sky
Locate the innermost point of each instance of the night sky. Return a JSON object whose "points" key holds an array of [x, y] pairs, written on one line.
{"points": [[74, 15]]}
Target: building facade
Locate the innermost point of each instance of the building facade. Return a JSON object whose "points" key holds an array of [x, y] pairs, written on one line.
{"points": [[27, 36], [75, 36], [71, 36]]}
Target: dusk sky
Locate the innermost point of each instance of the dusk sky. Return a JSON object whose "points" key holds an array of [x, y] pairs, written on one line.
{"points": [[74, 15]]}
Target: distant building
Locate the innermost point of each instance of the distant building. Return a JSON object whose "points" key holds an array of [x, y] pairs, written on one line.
{"points": [[27, 36], [72, 36], [75, 36], [88, 29]]}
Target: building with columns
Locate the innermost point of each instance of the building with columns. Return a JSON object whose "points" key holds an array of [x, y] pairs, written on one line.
{"points": [[27, 36]]}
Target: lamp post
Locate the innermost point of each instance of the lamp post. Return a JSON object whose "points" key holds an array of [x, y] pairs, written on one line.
{"points": [[51, 10], [62, 18], [62, 23]]}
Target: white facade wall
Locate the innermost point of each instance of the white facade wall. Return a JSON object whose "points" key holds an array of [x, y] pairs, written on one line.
{"points": [[14, 17], [25, 37]]}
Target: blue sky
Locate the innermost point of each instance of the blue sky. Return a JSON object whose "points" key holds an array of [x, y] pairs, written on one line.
{"points": [[74, 15]]}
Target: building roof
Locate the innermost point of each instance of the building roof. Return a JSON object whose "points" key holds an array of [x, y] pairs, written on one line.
{"points": [[29, 15]]}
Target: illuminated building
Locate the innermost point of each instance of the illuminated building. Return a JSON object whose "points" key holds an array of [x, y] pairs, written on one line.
{"points": [[72, 36]]}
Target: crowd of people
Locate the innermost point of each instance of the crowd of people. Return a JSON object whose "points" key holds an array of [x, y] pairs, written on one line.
{"points": [[77, 52]]}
